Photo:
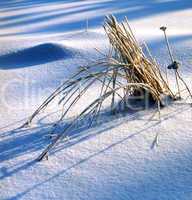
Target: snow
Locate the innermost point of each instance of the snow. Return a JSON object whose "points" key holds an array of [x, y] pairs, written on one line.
{"points": [[42, 43], [36, 55]]}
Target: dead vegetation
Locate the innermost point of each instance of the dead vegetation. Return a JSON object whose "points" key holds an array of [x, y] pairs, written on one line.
{"points": [[124, 72]]}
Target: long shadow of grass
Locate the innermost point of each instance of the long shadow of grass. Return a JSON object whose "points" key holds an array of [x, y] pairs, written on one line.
{"points": [[19, 142], [34, 140], [130, 136]]}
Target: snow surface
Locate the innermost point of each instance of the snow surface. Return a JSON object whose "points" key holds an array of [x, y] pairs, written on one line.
{"points": [[42, 43]]}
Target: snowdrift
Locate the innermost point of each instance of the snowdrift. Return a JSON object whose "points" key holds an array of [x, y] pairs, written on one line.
{"points": [[35, 55]]}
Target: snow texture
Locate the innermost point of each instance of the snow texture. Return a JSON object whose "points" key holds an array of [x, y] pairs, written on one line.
{"points": [[42, 43]]}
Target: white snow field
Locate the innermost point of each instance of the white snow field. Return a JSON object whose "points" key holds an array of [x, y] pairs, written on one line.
{"points": [[42, 43]]}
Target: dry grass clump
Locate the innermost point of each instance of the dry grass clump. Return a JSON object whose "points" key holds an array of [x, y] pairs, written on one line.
{"points": [[138, 69], [123, 73]]}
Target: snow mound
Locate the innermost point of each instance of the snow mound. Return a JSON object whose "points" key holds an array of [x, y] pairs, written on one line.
{"points": [[35, 55]]}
